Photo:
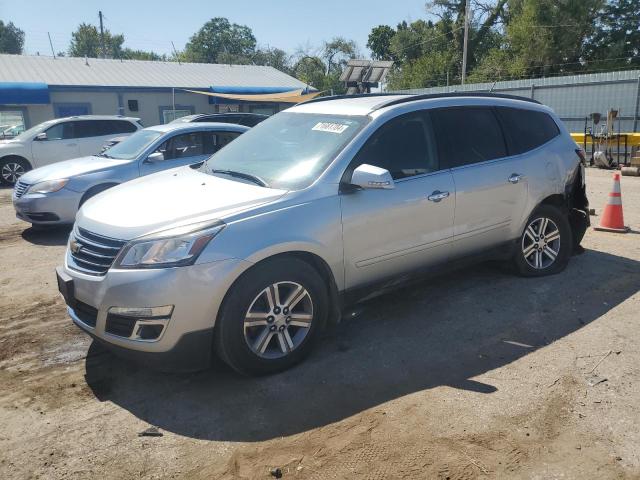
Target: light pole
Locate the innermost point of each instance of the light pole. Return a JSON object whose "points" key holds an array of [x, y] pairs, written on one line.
{"points": [[467, 10]]}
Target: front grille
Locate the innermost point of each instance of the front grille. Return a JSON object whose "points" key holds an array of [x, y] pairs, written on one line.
{"points": [[20, 188], [92, 253], [86, 313], [119, 325]]}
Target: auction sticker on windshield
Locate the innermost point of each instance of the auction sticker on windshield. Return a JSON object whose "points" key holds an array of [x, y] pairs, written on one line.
{"points": [[330, 127]]}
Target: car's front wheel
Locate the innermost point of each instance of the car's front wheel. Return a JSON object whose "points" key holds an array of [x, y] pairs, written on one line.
{"points": [[11, 169], [546, 243], [271, 317]]}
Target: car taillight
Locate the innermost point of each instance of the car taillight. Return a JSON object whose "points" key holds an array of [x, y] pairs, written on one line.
{"points": [[583, 157]]}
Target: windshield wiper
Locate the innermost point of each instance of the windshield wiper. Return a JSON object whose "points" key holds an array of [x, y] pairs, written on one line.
{"points": [[247, 176]]}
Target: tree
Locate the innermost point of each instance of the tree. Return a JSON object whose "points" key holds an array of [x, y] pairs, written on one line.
{"points": [[616, 40], [219, 41], [336, 53], [85, 41], [379, 42], [273, 57], [11, 38], [130, 54]]}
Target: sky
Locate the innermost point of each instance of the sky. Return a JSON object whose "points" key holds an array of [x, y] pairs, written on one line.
{"points": [[153, 24]]}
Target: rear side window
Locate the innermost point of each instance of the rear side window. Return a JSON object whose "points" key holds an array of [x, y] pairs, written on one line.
{"points": [[526, 129], [119, 126], [86, 128], [214, 141], [404, 146], [468, 135]]}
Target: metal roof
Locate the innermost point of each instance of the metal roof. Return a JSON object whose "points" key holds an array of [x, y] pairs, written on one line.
{"points": [[616, 76], [75, 71]]}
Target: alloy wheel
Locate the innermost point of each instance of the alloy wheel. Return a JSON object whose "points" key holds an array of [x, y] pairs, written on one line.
{"points": [[541, 243], [11, 172], [278, 320]]}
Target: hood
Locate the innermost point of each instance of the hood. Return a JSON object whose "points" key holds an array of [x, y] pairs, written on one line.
{"points": [[168, 199], [70, 168], [11, 143]]}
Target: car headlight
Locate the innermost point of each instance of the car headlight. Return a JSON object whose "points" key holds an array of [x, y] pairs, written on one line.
{"points": [[48, 186], [172, 248]]}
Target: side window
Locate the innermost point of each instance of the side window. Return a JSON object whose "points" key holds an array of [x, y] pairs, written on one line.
{"points": [[182, 146], [469, 134], [526, 129], [114, 127], [60, 131], [214, 141], [86, 128], [404, 145]]}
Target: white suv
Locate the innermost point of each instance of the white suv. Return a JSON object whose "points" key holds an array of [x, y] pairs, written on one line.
{"points": [[60, 139]]}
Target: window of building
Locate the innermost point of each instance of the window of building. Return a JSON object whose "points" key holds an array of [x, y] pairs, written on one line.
{"points": [[404, 146], [11, 123], [526, 129], [169, 115], [468, 135]]}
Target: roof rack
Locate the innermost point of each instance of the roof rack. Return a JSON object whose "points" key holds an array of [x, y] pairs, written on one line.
{"points": [[359, 95], [410, 97], [431, 96]]}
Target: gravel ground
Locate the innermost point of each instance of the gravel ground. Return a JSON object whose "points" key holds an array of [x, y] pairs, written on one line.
{"points": [[477, 374]]}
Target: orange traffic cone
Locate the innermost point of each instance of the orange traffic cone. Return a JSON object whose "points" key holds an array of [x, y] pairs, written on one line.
{"points": [[612, 219]]}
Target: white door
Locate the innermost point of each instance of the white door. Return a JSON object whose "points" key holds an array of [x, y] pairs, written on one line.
{"points": [[59, 145], [387, 232], [491, 187]]}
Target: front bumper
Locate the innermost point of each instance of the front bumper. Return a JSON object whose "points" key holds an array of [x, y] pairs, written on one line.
{"points": [[57, 208], [196, 293]]}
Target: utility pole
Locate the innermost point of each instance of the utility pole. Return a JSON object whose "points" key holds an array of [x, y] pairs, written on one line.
{"points": [[51, 45], [467, 11], [102, 55]]}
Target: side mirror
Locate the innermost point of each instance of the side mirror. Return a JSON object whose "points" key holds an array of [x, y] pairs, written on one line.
{"points": [[41, 136], [367, 176], [155, 157]]}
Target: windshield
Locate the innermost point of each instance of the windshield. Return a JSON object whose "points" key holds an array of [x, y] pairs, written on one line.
{"points": [[289, 150], [133, 145], [41, 127]]}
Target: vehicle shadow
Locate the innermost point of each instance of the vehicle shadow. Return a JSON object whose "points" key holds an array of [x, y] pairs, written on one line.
{"points": [[439, 332], [47, 236]]}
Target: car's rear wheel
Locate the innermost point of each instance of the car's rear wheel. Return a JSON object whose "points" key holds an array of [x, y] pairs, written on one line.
{"points": [[545, 244], [11, 169], [271, 317]]}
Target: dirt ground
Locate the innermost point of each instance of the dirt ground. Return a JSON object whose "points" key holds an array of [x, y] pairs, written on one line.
{"points": [[478, 374]]}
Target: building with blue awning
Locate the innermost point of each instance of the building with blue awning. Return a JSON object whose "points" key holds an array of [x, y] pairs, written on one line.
{"points": [[38, 88]]}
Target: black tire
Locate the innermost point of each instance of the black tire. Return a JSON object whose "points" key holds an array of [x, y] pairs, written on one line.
{"points": [[559, 218], [230, 342], [8, 168]]}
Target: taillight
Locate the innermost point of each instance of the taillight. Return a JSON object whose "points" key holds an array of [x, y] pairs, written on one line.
{"points": [[583, 157]]}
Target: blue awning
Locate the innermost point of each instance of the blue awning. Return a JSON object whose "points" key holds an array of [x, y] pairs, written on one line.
{"points": [[23, 93]]}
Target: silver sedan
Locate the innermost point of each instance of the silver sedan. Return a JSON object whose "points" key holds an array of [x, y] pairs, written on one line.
{"points": [[52, 195]]}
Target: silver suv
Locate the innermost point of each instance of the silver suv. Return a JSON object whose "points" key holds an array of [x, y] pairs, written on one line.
{"points": [[252, 254]]}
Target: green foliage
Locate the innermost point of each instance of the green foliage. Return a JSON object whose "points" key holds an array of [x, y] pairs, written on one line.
{"points": [[379, 42], [85, 41], [510, 39], [11, 38], [130, 54], [219, 41]]}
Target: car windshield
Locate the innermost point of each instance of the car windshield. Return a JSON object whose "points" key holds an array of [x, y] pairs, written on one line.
{"points": [[288, 150], [133, 145]]}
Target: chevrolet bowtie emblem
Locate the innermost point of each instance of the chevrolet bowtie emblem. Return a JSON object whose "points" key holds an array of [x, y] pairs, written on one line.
{"points": [[74, 246]]}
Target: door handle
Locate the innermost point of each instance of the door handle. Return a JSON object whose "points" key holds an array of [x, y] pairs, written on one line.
{"points": [[515, 178], [437, 196]]}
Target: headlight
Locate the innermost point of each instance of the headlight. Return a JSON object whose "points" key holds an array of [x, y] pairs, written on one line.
{"points": [[48, 186], [172, 248]]}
